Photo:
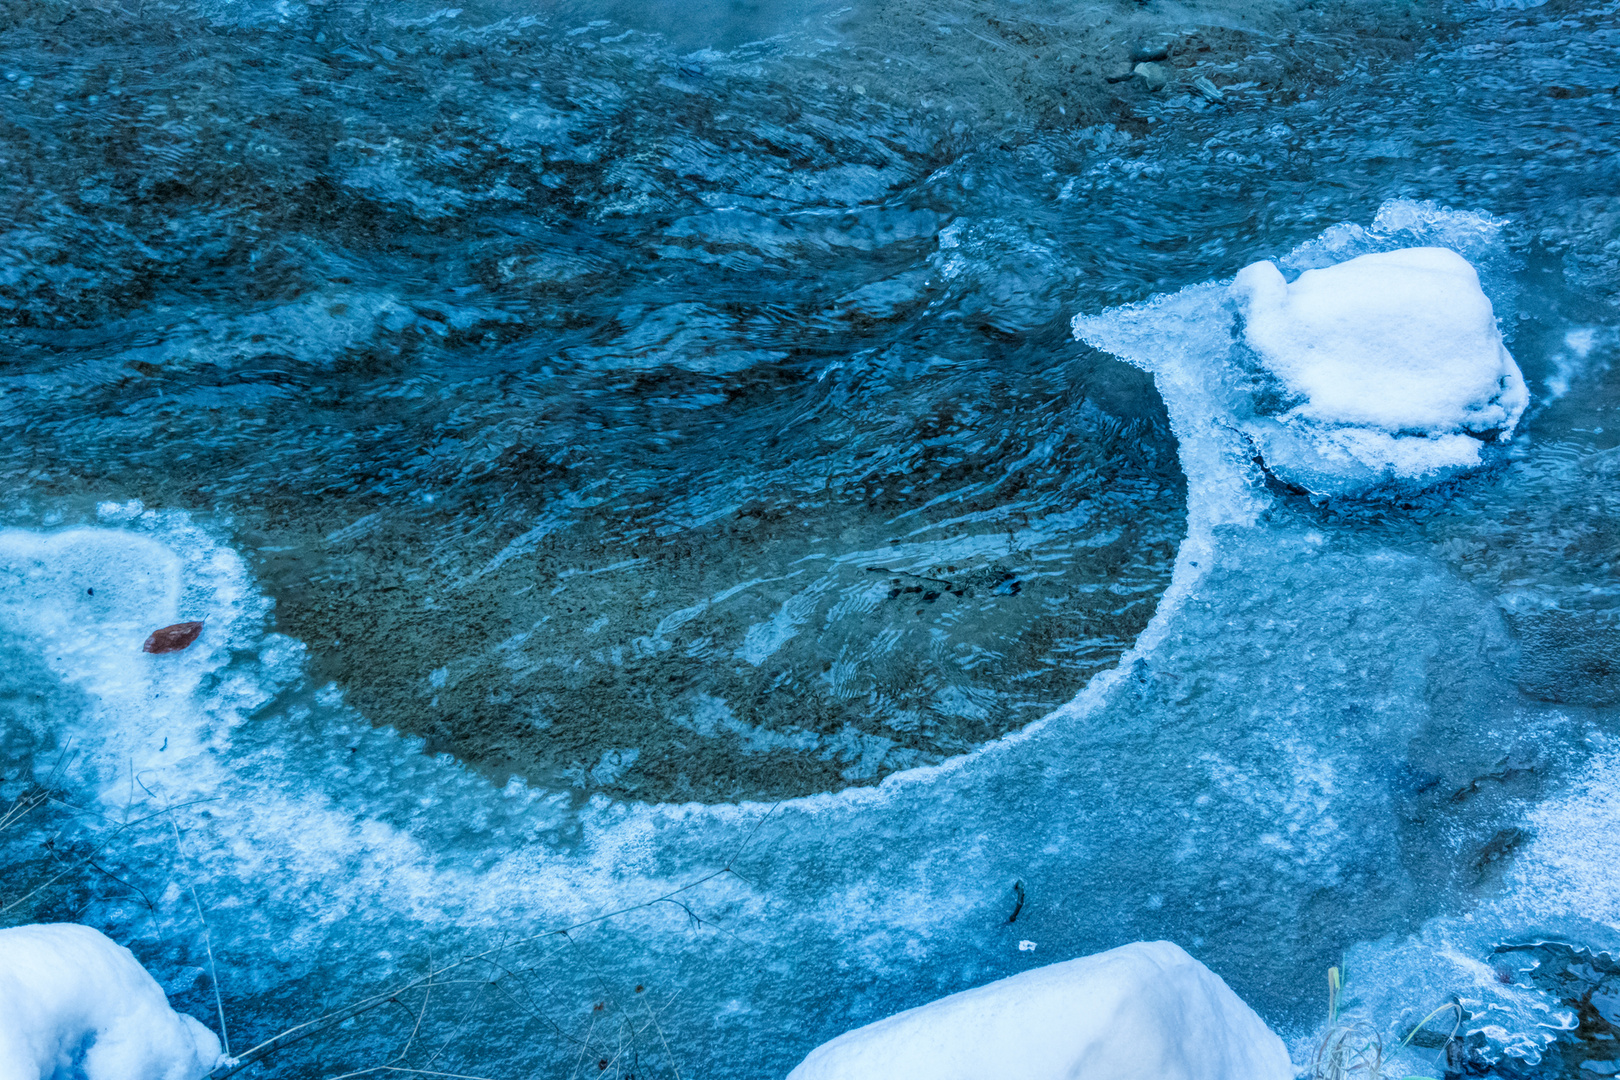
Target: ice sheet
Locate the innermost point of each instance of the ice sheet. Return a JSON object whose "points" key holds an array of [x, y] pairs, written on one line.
{"points": [[1261, 812]]}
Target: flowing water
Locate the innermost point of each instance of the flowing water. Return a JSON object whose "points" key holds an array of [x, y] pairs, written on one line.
{"points": [[658, 534]]}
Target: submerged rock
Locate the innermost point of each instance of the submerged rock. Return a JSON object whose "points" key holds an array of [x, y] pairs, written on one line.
{"points": [[75, 1003], [1386, 367], [1144, 1010], [1156, 76]]}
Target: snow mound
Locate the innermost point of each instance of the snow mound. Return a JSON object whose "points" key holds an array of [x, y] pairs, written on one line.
{"points": [[73, 1003], [1386, 366], [1145, 1011]]}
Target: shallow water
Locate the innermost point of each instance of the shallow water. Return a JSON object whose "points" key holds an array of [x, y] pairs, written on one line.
{"points": [[583, 428]]}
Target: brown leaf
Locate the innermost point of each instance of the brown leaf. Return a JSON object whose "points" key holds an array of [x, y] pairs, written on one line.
{"points": [[172, 638]]}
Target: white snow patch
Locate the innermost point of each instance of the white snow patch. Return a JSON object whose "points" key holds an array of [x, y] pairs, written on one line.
{"points": [[75, 1003], [1393, 361], [1145, 1010]]}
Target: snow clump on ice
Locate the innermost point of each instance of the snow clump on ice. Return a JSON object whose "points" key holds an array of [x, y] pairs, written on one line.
{"points": [[1388, 366], [1145, 1011], [74, 1003]]}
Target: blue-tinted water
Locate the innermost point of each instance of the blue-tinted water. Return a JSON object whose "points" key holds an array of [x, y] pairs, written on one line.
{"points": [[585, 426]]}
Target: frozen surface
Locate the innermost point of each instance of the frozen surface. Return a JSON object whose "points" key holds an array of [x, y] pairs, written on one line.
{"points": [[386, 375], [86, 598], [74, 1003], [1390, 366], [1178, 796], [1547, 868], [1324, 790], [1560, 889], [1145, 1011]]}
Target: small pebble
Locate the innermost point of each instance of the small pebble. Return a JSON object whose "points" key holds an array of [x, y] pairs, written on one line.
{"points": [[1207, 88], [1157, 76]]}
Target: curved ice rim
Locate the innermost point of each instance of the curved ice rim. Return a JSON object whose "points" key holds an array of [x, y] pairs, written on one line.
{"points": [[1224, 488], [1212, 470], [1222, 491], [1169, 336], [1193, 557], [1192, 564]]}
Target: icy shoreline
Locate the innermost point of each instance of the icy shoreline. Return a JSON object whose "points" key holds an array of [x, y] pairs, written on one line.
{"points": [[342, 855]]}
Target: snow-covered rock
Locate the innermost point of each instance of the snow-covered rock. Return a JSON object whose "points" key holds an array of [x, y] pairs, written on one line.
{"points": [[74, 1003], [1145, 1011], [1386, 366]]}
